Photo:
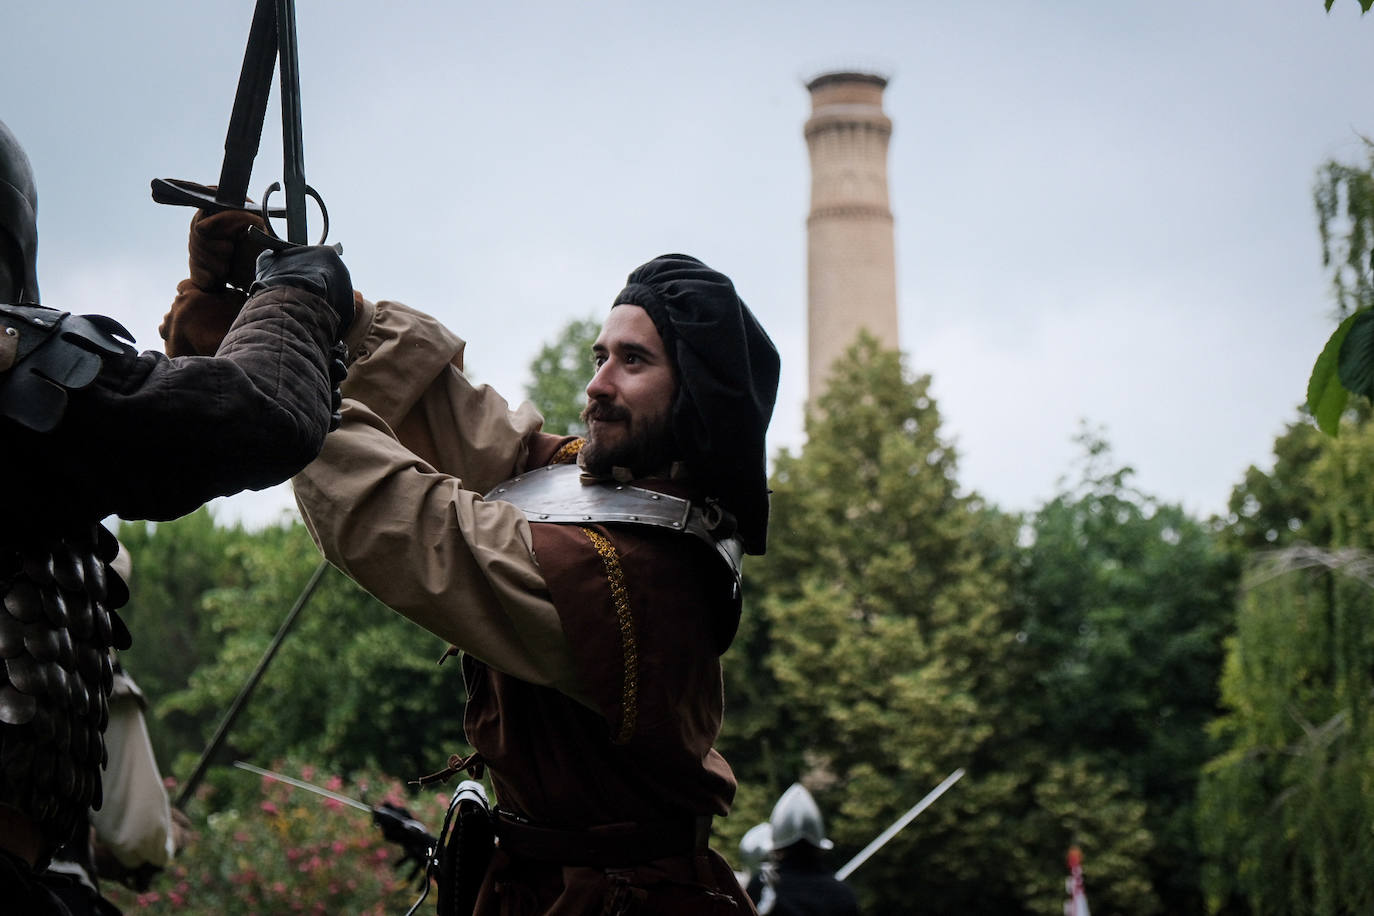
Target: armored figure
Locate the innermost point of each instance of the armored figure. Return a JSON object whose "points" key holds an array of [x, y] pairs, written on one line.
{"points": [[92, 428], [135, 834], [757, 878], [800, 882]]}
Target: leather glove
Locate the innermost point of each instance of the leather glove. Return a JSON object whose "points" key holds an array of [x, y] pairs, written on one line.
{"points": [[221, 250], [198, 320], [316, 269], [417, 845], [222, 260]]}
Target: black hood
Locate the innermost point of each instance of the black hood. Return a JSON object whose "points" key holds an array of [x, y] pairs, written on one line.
{"points": [[727, 370]]}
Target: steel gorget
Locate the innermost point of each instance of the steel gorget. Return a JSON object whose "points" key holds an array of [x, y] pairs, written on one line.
{"points": [[562, 494]]}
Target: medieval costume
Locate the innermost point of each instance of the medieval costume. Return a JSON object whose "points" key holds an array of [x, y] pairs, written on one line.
{"points": [[799, 881], [805, 885], [592, 629], [92, 428], [132, 836]]}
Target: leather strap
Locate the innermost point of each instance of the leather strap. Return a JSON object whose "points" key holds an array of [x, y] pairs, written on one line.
{"points": [[604, 846]]}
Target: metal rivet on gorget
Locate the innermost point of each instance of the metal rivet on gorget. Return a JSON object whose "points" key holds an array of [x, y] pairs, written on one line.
{"points": [[677, 524], [586, 518], [655, 496], [500, 489], [634, 518], [544, 516], [12, 332]]}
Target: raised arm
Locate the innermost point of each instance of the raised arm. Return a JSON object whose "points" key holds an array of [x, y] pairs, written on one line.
{"points": [[146, 436], [394, 499]]}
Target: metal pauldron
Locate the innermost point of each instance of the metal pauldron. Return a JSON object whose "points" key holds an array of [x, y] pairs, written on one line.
{"points": [[45, 353], [560, 494]]}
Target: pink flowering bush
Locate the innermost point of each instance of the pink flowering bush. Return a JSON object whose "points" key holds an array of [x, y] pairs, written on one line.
{"points": [[290, 851]]}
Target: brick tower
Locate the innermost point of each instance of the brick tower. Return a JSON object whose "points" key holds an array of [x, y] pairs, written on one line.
{"points": [[851, 272]]}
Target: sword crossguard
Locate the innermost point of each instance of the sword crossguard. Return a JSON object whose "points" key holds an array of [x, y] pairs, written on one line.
{"points": [[180, 193]]}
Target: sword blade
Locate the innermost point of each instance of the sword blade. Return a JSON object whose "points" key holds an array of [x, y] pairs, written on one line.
{"points": [[293, 177], [250, 107], [302, 784], [878, 842], [246, 691]]}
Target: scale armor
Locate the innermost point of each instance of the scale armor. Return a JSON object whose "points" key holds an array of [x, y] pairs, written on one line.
{"points": [[58, 596]]}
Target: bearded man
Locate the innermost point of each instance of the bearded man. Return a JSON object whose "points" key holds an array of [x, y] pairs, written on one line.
{"points": [[591, 586]]}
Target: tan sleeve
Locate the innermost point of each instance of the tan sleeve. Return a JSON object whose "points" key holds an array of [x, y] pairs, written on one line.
{"points": [[135, 820], [394, 499]]}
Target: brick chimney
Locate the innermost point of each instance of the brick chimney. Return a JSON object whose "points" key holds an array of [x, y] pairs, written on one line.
{"points": [[851, 271]]}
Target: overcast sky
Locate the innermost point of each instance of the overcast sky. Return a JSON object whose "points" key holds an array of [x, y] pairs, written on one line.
{"points": [[1103, 210]]}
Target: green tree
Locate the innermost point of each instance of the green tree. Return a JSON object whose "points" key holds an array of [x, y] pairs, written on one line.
{"points": [[1127, 603], [174, 566], [879, 652], [1287, 807], [1286, 803], [1344, 198], [353, 686], [560, 374], [1277, 507]]}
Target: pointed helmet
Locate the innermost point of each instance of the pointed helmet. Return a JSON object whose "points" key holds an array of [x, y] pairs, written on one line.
{"points": [[797, 819], [18, 222]]}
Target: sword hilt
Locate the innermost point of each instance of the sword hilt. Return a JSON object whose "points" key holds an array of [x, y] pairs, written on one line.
{"points": [[269, 238], [277, 243]]}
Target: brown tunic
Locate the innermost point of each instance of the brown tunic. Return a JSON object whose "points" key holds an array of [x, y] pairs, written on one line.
{"points": [[641, 609], [591, 654]]}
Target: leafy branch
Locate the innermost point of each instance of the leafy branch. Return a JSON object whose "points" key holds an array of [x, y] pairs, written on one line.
{"points": [[1364, 5]]}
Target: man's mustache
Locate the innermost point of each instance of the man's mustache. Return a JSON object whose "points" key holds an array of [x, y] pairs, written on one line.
{"points": [[604, 412]]}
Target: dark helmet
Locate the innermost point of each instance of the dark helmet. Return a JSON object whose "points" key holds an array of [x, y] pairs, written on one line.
{"points": [[18, 221]]}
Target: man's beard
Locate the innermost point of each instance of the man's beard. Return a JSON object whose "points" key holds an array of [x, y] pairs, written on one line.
{"points": [[645, 444]]}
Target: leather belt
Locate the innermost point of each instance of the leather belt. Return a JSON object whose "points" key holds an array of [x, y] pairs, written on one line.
{"points": [[606, 845]]}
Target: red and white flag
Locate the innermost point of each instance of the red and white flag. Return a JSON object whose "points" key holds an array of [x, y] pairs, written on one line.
{"points": [[1077, 904]]}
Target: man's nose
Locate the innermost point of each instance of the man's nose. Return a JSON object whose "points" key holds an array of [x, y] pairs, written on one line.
{"points": [[602, 384]]}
